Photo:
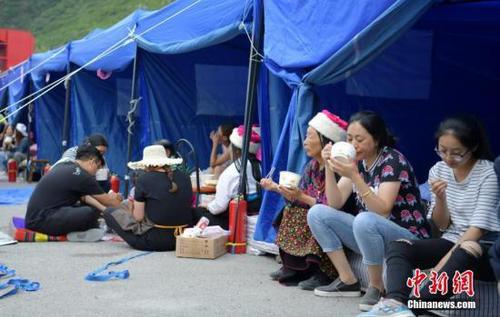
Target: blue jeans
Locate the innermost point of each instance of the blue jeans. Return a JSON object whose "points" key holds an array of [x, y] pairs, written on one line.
{"points": [[368, 234]]}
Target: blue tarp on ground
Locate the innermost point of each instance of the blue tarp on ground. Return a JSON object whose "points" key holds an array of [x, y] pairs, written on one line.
{"points": [[431, 72], [15, 196]]}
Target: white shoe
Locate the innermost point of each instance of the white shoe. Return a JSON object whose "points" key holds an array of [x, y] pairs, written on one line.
{"points": [[91, 235]]}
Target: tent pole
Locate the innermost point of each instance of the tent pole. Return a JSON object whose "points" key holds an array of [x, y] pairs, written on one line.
{"points": [[253, 70], [28, 128], [131, 121], [67, 85]]}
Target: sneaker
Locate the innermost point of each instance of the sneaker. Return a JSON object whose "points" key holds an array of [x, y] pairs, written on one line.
{"points": [[371, 297], [91, 235], [388, 308], [338, 289], [318, 279], [282, 273]]}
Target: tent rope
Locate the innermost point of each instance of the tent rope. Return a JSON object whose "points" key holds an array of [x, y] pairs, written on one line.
{"points": [[123, 42], [31, 69]]}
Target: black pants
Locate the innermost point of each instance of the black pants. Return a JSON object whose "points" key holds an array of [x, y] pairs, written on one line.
{"points": [[215, 220], [403, 257], [155, 239], [222, 219], [68, 219]]}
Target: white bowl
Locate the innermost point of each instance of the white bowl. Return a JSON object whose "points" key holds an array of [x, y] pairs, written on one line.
{"points": [[343, 151], [289, 179]]}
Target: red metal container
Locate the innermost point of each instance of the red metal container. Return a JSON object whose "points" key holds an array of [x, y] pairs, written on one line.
{"points": [[15, 47], [238, 226], [12, 170], [115, 183]]}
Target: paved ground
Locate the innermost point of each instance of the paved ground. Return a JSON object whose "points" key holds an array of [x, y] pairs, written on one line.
{"points": [[159, 285]]}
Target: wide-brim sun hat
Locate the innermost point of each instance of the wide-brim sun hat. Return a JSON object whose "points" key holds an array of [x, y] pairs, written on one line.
{"points": [[236, 138], [154, 156]]}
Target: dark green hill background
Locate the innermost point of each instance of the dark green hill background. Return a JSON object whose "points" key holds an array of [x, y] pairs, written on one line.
{"points": [[55, 22]]}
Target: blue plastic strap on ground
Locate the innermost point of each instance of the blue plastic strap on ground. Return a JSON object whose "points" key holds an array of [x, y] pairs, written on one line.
{"points": [[6, 272], [100, 276], [15, 283]]}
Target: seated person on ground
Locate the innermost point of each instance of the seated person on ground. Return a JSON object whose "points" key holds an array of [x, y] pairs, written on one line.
{"points": [[16, 147], [168, 146], [304, 263], [217, 211], [465, 197], [101, 144], [219, 162], [7, 137], [68, 199], [162, 204]]}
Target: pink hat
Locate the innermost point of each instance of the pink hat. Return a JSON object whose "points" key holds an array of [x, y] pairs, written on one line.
{"points": [[236, 138], [329, 125]]}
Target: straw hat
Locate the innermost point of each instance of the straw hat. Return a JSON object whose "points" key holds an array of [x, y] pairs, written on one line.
{"points": [[154, 155]]}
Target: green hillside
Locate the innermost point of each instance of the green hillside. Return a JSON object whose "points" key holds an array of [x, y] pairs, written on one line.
{"points": [[55, 22]]}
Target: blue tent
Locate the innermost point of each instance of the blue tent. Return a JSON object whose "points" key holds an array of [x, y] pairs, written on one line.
{"points": [[193, 64], [345, 58], [48, 68]]}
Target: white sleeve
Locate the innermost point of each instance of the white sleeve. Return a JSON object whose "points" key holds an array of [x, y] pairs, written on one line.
{"points": [[432, 176], [485, 214], [226, 189]]}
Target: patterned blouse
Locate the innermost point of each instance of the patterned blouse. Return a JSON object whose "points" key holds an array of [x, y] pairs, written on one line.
{"points": [[312, 183], [408, 210]]}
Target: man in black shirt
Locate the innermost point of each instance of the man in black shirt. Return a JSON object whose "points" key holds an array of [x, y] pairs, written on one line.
{"points": [[68, 199]]}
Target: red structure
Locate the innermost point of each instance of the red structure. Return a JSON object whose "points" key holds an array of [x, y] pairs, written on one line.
{"points": [[15, 47]]}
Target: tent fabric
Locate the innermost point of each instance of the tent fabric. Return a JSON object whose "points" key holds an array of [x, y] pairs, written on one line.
{"points": [[17, 90], [361, 31], [180, 97], [97, 42], [49, 118], [187, 25], [55, 60], [101, 106]]}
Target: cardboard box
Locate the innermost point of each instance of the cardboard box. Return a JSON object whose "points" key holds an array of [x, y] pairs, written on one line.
{"points": [[200, 248]]}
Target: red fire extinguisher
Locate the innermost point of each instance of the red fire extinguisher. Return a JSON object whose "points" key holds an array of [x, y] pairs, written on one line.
{"points": [[12, 170], [46, 169], [238, 225], [115, 183]]}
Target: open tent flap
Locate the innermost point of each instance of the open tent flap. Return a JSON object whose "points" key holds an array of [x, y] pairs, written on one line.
{"points": [[326, 43], [101, 106], [188, 95]]}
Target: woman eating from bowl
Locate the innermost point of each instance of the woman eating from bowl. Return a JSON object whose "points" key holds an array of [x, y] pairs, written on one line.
{"points": [[388, 204], [464, 206], [304, 264]]}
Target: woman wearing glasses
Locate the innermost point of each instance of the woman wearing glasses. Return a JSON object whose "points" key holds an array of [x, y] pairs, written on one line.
{"points": [[465, 196]]}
